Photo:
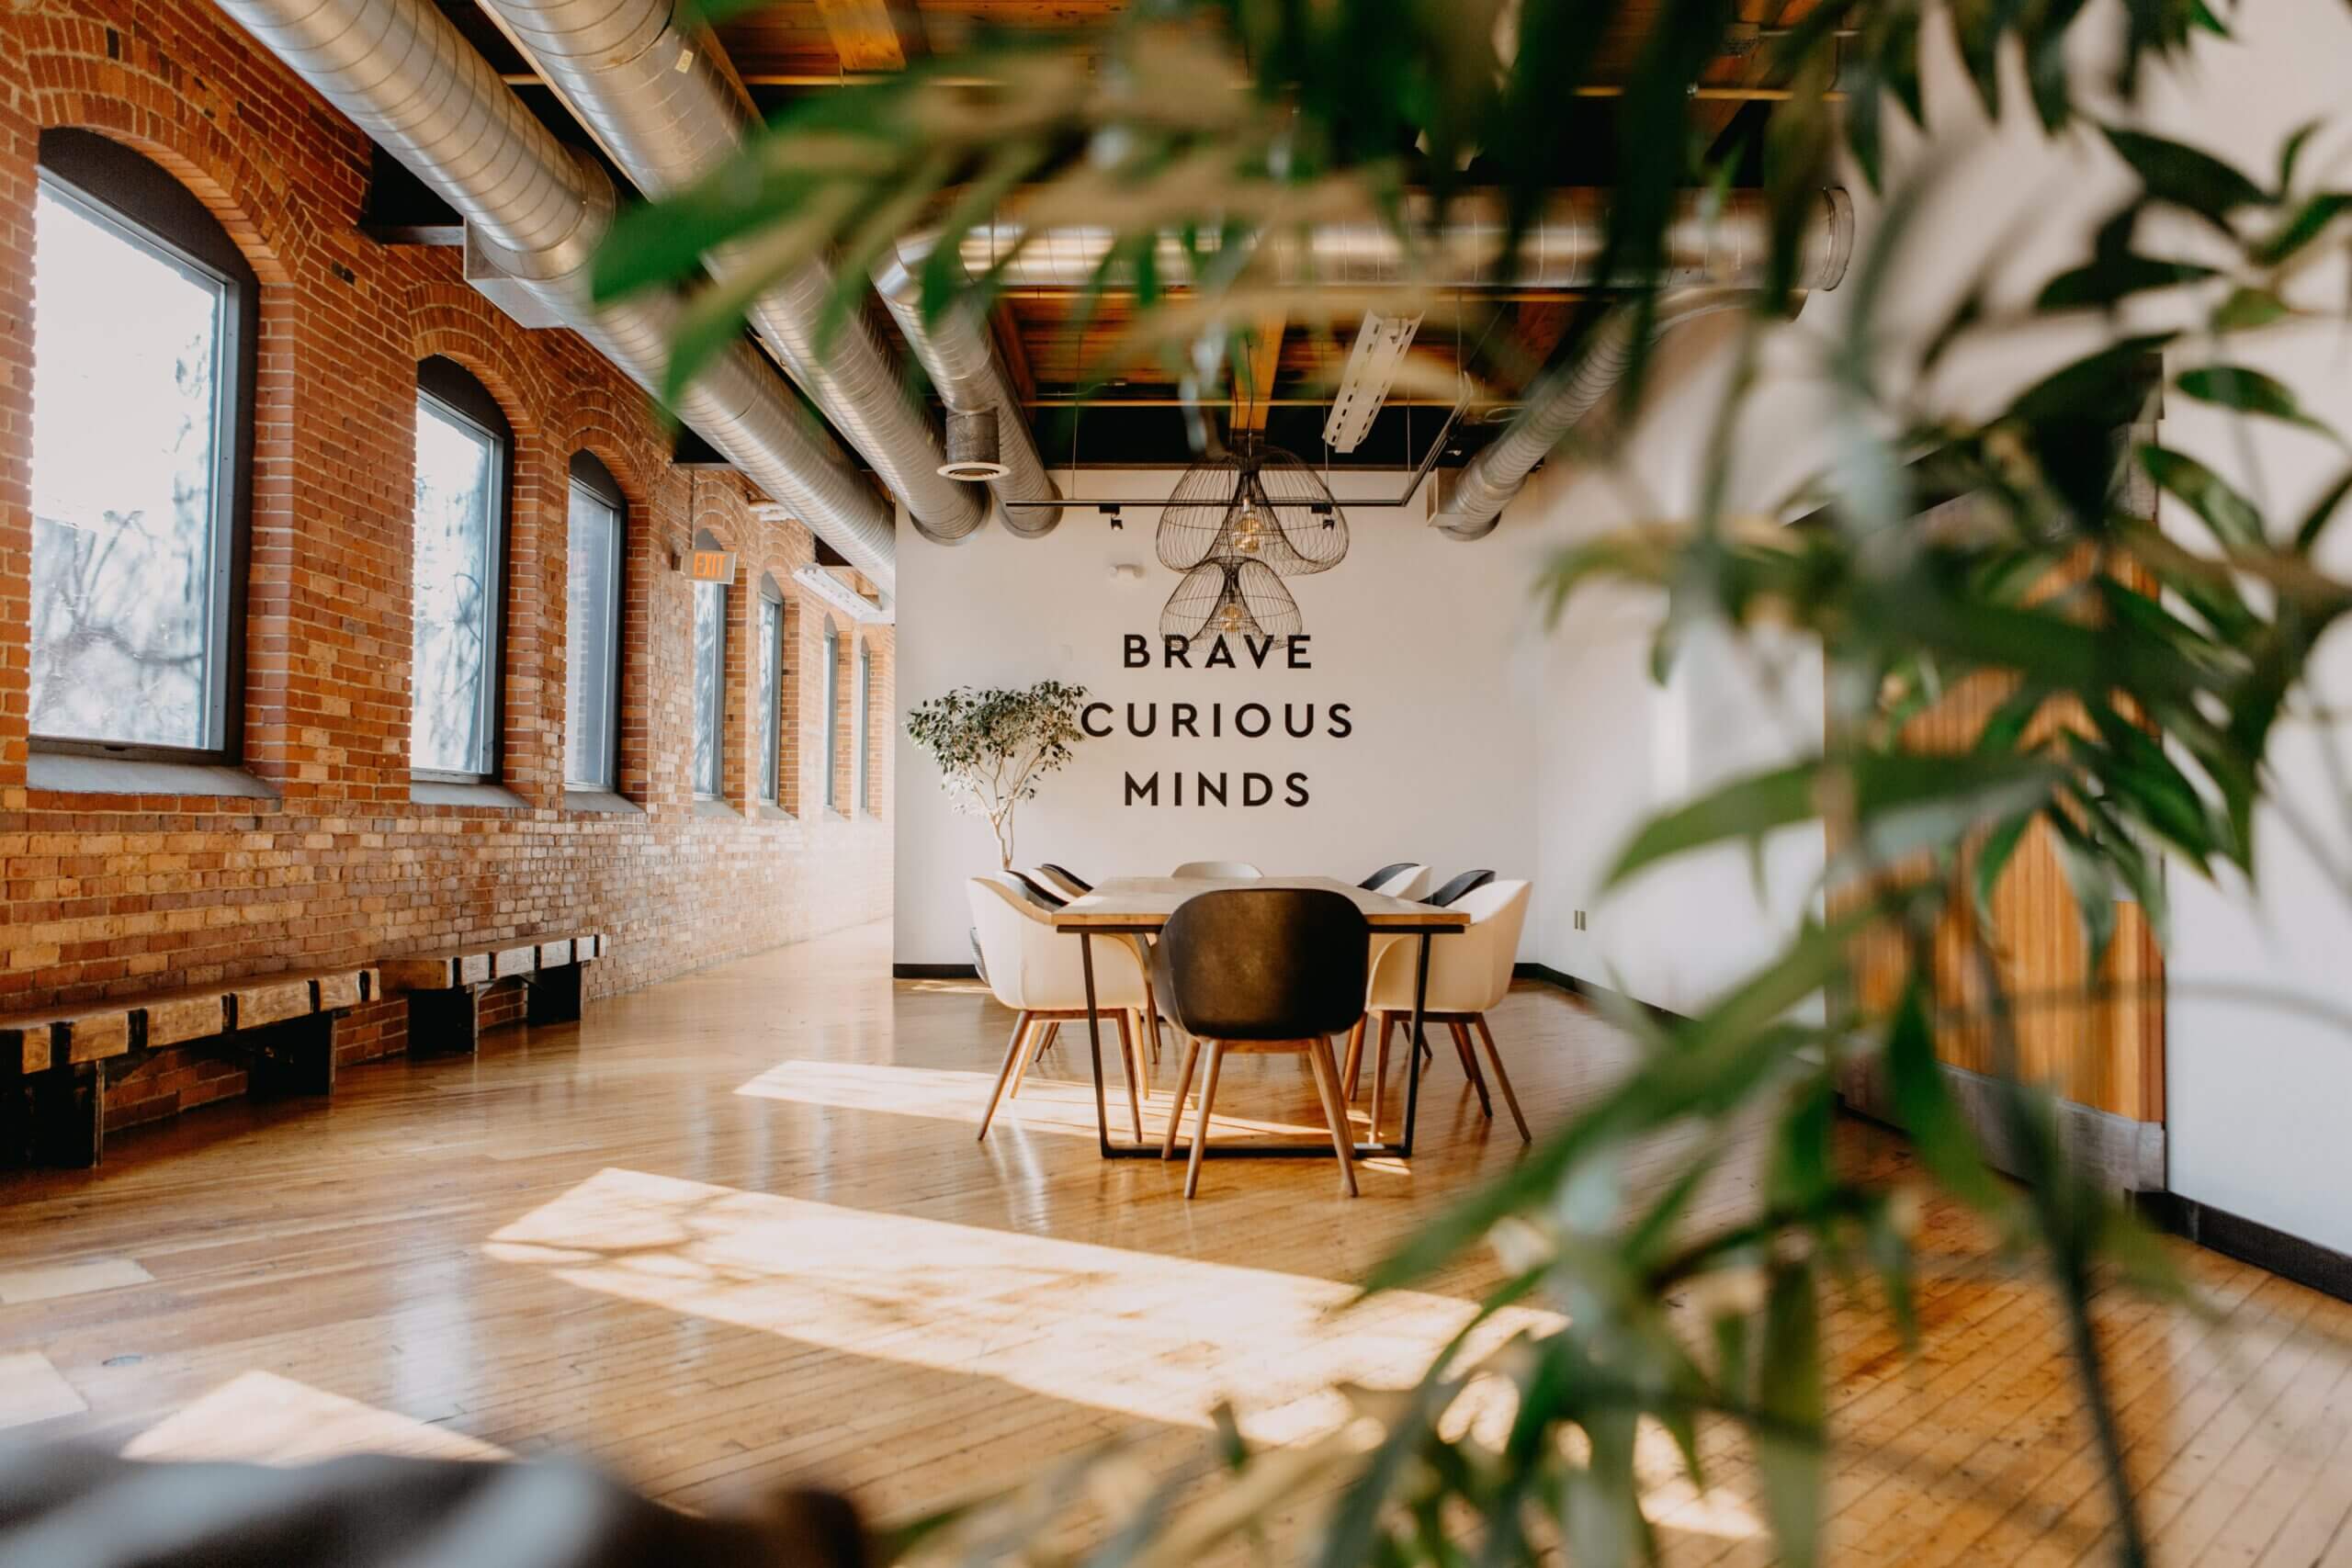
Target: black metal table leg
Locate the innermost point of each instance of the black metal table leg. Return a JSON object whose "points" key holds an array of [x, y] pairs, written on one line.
{"points": [[1094, 1039], [1415, 1046]]}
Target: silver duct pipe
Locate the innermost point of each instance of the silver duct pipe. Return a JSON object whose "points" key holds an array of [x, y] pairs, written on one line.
{"points": [[1710, 241], [402, 73], [1470, 503], [955, 353], [660, 102]]}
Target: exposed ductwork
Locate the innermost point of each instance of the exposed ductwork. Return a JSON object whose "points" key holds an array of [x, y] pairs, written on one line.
{"points": [[1470, 503], [400, 72], [661, 103], [956, 354]]}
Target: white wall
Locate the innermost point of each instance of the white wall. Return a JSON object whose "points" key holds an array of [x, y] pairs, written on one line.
{"points": [[1426, 641], [2257, 1091]]}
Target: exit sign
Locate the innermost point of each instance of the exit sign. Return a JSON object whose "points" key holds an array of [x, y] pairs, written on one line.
{"points": [[710, 566]]}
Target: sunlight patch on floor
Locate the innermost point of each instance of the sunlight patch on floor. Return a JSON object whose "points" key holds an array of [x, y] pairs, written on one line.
{"points": [[1044, 1105], [1158, 1337], [262, 1419]]}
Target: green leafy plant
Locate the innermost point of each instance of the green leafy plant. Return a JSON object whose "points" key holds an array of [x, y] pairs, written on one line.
{"points": [[2142, 673], [994, 747]]}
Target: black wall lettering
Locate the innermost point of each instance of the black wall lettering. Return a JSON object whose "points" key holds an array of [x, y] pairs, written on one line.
{"points": [[1299, 660], [1148, 791], [1300, 728], [1258, 647], [1136, 653], [1241, 721], [1175, 652], [1341, 725], [1203, 783], [1150, 720], [1296, 787], [1220, 655], [1086, 719], [1257, 789], [1184, 718]]}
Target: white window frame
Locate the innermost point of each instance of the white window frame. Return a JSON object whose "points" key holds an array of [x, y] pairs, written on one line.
{"points": [[487, 701], [772, 677], [860, 796], [833, 716], [611, 760], [141, 202]]}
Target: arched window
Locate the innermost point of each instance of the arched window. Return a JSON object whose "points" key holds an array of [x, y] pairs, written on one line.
{"points": [[772, 678], [464, 453], [595, 553], [711, 680], [833, 716], [863, 791], [144, 321]]}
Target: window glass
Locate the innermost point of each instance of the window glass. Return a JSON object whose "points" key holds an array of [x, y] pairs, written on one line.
{"points": [[862, 740], [459, 468], [833, 716], [129, 526], [710, 679], [592, 702], [771, 697]]}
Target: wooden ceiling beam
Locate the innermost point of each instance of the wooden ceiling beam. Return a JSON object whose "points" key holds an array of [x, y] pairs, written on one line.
{"points": [[872, 35], [1254, 368]]}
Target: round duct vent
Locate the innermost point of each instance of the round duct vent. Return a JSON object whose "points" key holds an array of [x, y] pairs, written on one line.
{"points": [[971, 446]]}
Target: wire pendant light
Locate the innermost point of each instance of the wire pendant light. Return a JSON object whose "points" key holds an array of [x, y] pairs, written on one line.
{"points": [[1240, 598], [1237, 524]]}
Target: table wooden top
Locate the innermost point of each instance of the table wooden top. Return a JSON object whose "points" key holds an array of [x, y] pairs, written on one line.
{"points": [[1144, 903]]}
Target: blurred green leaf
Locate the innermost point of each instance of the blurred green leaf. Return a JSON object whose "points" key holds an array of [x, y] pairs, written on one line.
{"points": [[2248, 392], [1922, 1103], [1790, 1454], [2232, 517], [2175, 173], [2310, 221]]}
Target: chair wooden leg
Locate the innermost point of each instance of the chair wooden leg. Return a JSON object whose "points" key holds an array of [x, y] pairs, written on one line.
{"points": [[1150, 1002], [1183, 1084], [1380, 1069], [1470, 1068], [1502, 1078], [1352, 1071], [1201, 1135], [1141, 1019], [1005, 1074], [1326, 1084], [1053, 1032], [1043, 1031], [1128, 1054]]}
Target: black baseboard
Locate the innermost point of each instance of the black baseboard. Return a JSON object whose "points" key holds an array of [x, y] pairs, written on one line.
{"points": [[934, 972], [1560, 979], [2291, 1258]]}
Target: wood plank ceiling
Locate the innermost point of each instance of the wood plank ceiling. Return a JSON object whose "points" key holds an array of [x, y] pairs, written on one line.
{"points": [[787, 50]]}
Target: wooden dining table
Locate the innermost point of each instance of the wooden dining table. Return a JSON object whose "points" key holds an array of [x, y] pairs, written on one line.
{"points": [[1140, 906]]}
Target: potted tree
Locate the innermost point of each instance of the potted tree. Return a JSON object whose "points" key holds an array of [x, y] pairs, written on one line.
{"points": [[995, 745]]}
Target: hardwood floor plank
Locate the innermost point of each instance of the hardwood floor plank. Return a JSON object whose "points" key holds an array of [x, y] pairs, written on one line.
{"points": [[735, 1230]]}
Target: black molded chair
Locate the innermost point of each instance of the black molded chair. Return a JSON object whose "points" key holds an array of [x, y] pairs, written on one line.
{"points": [[1384, 873], [1276, 969], [1067, 876], [1445, 895], [1038, 892]]}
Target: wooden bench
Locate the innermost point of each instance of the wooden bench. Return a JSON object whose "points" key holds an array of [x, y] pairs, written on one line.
{"points": [[445, 990], [53, 1064]]}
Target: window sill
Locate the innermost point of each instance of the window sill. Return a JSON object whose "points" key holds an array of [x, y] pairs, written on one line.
{"points": [[769, 812], [716, 809], [444, 792], [73, 772], [606, 802]]}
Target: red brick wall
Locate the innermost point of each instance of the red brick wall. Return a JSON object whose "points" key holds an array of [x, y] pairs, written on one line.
{"points": [[114, 894]]}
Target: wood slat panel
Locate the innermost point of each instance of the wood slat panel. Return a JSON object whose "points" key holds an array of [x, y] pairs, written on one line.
{"points": [[2103, 1050]]}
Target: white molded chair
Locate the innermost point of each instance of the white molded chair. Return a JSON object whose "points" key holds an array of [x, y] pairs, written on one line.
{"points": [[1059, 882], [1226, 870], [1470, 971], [1037, 972]]}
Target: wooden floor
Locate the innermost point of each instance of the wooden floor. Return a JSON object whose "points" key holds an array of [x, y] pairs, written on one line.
{"points": [[734, 1230]]}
